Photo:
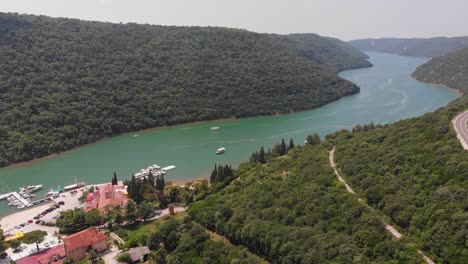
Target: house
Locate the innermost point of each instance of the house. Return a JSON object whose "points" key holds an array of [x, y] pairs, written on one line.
{"points": [[107, 196], [51, 255], [78, 245], [138, 254]]}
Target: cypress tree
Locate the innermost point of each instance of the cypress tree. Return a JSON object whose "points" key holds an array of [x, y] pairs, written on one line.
{"points": [[283, 148], [291, 144], [114, 179], [261, 156]]}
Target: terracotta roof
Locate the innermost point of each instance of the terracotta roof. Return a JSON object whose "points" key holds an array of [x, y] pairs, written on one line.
{"points": [[108, 195], [43, 256], [83, 238]]}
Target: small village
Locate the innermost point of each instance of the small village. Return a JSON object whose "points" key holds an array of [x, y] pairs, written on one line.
{"points": [[81, 225]]}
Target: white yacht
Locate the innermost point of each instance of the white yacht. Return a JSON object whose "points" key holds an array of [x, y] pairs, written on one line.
{"points": [[220, 151], [31, 188]]}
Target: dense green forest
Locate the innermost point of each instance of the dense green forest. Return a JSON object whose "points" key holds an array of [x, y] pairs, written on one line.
{"points": [[415, 172], [450, 70], [66, 82], [418, 47], [180, 240], [293, 210]]}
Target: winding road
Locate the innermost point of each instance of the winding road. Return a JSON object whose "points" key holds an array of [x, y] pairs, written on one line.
{"points": [[460, 123], [397, 235]]}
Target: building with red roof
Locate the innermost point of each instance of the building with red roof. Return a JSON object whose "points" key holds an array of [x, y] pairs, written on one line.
{"points": [[54, 254], [106, 196], [78, 245]]}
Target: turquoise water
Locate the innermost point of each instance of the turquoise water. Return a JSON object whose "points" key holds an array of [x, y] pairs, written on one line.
{"points": [[388, 94]]}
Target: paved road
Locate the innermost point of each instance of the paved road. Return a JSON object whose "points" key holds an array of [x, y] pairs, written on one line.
{"points": [[390, 229], [460, 123]]}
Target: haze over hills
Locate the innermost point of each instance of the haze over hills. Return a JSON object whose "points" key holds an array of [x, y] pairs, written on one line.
{"points": [[418, 47], [450, 70], [66, 82]]}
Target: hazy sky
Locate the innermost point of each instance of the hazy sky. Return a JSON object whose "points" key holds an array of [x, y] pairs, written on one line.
{"points": [[345, 19]]}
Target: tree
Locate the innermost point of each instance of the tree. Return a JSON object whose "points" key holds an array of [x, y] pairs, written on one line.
{"points": [[125, 258], [93, 217], [261, 156], [14, 244], [291, 144], [154, 240], [131, 211], [114, 179], [283, 149], [144, 210], [2, 243], [313, 139]]}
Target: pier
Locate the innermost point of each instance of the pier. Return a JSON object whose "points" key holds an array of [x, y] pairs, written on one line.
{"points": [[21, 199]]}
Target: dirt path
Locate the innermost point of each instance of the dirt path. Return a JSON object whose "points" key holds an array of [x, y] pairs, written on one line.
{"points": [[397, 235]]}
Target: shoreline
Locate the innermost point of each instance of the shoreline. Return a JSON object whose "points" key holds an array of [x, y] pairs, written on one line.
{"points": [[148, 130], [138, 132], [457, 91]]}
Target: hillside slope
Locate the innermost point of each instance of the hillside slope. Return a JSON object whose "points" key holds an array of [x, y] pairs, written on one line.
{"points": [[415, 172], [450, 70], [66, 82], [418, 47], [293, 210]]}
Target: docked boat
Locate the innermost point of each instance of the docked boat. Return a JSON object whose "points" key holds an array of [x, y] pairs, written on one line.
{"points": [[214, 128], [52, 192], [31, 188], [220, 151], [74, 186]]}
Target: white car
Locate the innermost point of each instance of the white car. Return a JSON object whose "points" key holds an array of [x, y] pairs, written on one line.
{"points": [[46, 244]]}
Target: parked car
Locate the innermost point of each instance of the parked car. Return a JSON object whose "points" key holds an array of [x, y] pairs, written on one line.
{"points": [[22, 224], [61, 202], [38, 221], [158, 212], [46, 244], [37, 217], [30, 221], [52, 242], [18, 227]]}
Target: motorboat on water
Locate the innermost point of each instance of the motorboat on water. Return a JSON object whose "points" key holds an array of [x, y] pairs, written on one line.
{"points": [[31, 188], [214, 128], [220, 151]]}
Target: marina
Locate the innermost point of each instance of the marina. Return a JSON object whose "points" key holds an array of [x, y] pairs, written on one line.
{"points": [[154, 169]]}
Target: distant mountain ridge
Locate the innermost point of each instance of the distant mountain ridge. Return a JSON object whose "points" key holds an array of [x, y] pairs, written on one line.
{"points": [[67, 82], [449, 70], [418, 47]]}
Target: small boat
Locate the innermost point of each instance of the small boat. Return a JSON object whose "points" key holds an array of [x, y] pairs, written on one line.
{"points": [[220, 151], [31, 188], [21, 206], [74, 186], [214, 128]]}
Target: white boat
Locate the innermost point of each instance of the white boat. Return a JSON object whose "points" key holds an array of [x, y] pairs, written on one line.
{"points": [[220, 151], [74, 186], [31, 188], [214, 128], [21, 206]]}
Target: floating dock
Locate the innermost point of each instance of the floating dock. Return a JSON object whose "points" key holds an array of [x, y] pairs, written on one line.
{"points": [[21, 199]]}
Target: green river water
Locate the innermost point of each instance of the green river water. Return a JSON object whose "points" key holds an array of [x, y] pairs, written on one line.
{"points": [[388, 94]]}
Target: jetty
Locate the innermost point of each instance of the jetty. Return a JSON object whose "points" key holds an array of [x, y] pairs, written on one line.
{"points": [[21, 199]]}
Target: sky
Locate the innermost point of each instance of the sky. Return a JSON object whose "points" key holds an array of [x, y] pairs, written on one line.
{"points": [[344, 19]]}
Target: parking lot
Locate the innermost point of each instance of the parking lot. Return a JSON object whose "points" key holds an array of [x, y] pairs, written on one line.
{"points": [[25, 221]]}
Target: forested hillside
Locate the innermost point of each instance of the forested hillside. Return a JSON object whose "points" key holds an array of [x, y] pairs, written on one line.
{"points": [[292, 210], [66, 82], [416, 172], [327, 51], [450, 70], [418, 47]]}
